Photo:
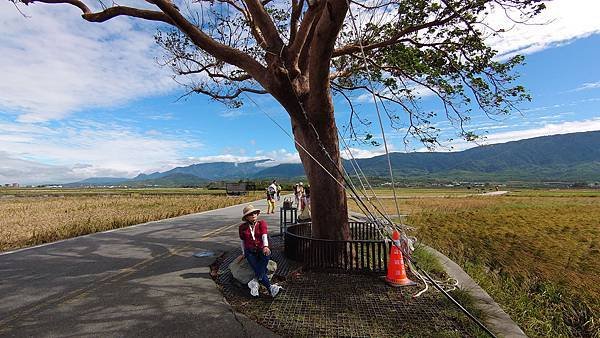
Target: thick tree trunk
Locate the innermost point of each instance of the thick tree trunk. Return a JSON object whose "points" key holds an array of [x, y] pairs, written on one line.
{"points": [[307, 98], [329, 210]]}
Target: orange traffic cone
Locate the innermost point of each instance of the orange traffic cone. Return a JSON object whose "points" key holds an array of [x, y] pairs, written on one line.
{"points": [[396, 273]]}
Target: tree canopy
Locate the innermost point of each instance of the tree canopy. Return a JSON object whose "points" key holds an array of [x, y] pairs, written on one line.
{"points": [[393, 49]]}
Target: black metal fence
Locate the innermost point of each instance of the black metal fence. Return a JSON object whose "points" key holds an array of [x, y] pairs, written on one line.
{"points": [[367, 252], [287, 216]]}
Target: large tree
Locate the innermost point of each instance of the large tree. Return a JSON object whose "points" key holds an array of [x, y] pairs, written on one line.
{"points": [[303, 52]]}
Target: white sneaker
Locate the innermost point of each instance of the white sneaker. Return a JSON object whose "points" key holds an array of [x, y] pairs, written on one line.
{"points": [[253, 285], [275, 290]]}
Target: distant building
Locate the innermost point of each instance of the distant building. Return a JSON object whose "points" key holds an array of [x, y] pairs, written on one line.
{"points": [[14, 185], [240, 188]]}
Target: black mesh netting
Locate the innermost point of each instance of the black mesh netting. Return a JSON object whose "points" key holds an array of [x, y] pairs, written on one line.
{"points": [[333, 304]]}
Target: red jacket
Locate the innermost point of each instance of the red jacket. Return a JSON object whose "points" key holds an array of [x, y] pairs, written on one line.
{"points": [[260, 228]]}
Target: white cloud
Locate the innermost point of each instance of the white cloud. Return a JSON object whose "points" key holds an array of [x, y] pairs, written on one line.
{"points": [[55, 63], [14, 170], [588, 85], [161, 117], [153, 132], [231, 114], [25, 172], [561, 22], [272, 158], [362, 153], [368, 151], [82, 149], [546, 129], [280, 156], [222, 158], [560, 105]]}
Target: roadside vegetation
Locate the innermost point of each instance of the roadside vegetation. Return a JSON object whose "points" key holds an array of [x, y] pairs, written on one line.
{"points": [[35, 216], [536, 252]]}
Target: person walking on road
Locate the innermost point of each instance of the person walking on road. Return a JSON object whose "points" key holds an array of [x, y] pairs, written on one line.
{"points": [[299, 195], [273, 187], [296, 194], [270, 202], [307, 195], [255, 248], [272, 191]]}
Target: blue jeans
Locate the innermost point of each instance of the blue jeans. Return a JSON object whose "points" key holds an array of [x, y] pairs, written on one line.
{"points": [[259, 262]]}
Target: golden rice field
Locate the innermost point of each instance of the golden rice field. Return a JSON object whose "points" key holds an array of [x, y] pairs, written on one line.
{"points": [[537, 253], [31, 217]]}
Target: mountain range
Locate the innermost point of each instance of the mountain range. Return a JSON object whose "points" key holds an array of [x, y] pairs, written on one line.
{"points": [[568, 158]]}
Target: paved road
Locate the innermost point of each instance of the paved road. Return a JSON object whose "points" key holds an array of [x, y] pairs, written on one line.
{"points": [[137, 281]]}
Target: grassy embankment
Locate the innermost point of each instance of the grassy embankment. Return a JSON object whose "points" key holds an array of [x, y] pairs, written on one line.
{"points": [[536, 252], [35, 216]]}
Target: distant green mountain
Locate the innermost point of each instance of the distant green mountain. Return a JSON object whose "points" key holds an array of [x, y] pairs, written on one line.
{"points": [[286, 170], [171, 180], [568, 158], [211, 171], [103, 180]]}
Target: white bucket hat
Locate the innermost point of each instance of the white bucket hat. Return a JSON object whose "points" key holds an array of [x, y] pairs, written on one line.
{"points": [[248, 210]]}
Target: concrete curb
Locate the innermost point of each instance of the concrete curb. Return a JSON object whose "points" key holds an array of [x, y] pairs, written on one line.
{"points": [[495, 318]]}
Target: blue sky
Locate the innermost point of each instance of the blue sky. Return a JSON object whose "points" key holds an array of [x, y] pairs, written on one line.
{"points": [[80, 100]]}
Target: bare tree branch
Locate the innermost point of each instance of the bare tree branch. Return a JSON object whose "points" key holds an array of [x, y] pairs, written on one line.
{"points": [[214, 48], [231, 96], [298, 43], [321, 49], [354, 48], [84, 8], [265, 24], [110, 12], [297, 6]]}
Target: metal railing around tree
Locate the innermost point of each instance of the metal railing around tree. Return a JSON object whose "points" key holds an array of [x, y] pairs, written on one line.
{"points": [[366, 252]]}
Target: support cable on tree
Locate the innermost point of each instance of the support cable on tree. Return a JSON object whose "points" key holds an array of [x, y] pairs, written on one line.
{"points": [[406, 248]]}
